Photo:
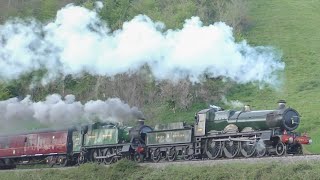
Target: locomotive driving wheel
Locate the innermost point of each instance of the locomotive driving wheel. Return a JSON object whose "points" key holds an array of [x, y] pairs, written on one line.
{"points": [[280, 148], [171, 154], [248, 148], [156, 155], [117, 156], [108, 159], [82, 157], [231, 148], [261, 149], [213, 148], [96, 154]]}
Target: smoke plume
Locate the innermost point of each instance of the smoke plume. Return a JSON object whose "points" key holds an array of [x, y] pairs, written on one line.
{"points": [[58, 111], [233, 104], [79, 41]]}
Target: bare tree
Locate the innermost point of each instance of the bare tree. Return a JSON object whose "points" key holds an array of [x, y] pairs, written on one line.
{"points": [[177, 95]]}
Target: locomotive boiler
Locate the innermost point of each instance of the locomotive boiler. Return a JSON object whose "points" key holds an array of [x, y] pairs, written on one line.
{"points": [[212, 119]]}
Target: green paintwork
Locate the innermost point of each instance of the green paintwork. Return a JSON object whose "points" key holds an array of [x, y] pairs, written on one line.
{"points": [[105, 135], [217, 121], [169, 126], [76, 139], [101, 136], [255, 119], [169, 137], [124, 135]]}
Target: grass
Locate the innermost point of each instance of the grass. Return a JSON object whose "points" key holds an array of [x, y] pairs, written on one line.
{"points": [[161, 113], [129, 170], [291, 26]]}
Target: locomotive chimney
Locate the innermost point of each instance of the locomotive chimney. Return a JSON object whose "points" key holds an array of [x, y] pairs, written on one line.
{"points": [[141, 122], [247, 108], [281, 104]]}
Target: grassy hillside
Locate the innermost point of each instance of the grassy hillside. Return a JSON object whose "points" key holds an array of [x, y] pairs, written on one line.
{"points": [[130, 170], [292, 26]]}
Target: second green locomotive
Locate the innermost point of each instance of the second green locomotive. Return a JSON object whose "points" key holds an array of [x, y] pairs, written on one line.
{"points": [[107, 142]]}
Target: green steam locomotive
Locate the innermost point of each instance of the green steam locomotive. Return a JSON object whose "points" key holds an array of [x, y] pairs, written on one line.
{"points": [[218, 133], [106, 142]]}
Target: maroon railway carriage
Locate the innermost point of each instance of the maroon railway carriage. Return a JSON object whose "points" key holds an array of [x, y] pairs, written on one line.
{"points": [[47, 146]]}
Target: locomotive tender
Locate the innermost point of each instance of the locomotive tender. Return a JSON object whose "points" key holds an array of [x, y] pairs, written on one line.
{"points": [[215, 133]]}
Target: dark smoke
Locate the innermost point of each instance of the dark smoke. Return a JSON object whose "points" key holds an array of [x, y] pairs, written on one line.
{"points": [[57, 111]]}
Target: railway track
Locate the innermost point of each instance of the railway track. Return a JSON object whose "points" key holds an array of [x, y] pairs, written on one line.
{"points": [[266, 159], [207, 162]]}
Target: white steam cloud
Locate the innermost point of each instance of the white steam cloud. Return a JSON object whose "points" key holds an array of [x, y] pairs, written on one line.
{"points": [[59, 111], [232, 103], [78, 40]]}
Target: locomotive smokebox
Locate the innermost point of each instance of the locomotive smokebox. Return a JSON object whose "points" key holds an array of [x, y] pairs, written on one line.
{"points": [[290, 119], [285, 118]]}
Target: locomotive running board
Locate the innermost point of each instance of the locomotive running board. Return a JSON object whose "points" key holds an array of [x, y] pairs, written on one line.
{"points": [[237, 139], [103, 157], [263, 135]]}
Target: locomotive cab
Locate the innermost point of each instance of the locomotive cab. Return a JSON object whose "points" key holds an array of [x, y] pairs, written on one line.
{"points": [[200, 124], [211, 120], [138, 133]]}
